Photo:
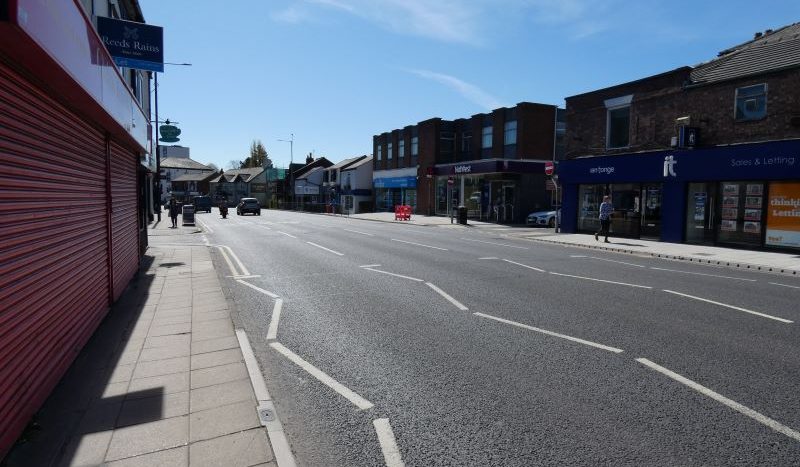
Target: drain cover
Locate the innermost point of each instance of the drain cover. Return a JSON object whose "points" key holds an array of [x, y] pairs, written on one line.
{"points": [[265, 415]]}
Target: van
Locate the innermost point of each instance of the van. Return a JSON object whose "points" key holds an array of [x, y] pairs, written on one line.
{"points": [[202, 203]]}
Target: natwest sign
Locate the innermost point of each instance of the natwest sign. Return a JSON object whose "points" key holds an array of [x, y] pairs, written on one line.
{"points": [[462, 169]]}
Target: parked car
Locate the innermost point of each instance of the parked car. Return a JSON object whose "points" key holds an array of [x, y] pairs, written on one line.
{"points": [[202, 203], [546, 218], [248, 205]]}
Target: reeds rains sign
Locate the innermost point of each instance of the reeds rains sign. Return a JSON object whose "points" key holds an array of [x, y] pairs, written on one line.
{"points": [[133, 45]]}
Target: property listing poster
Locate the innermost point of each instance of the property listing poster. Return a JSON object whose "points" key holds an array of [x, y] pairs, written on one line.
{"points": [[783, 214]]}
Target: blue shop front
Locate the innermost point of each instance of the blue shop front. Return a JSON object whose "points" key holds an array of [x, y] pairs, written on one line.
{"points": [[745, 195]]}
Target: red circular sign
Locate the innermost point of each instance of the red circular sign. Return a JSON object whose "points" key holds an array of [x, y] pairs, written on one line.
{"points": [[548, 168], [450, 181]]}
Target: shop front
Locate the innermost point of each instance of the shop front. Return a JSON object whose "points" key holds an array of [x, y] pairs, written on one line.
{"points": [[497, 190], [744, 196], [399, 187]]}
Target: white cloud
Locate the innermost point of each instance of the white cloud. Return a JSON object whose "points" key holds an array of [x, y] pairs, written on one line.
{"points": [[292, 14], [469, 91]]}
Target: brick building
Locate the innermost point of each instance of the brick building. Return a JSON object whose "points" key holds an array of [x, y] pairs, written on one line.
{"points": [[705, 154], [492, 163]]}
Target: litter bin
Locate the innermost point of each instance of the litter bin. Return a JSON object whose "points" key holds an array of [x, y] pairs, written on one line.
{"points": [[462, 215], [188, 214]]}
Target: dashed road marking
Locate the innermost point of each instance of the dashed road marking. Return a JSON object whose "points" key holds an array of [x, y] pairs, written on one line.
{"points": [[763, 315], [391, 453], [551, 333], [494, 243], [326, 249], [341, 389], [763, 419], [395, 275], [524, 265], [358, 232], [702, 274], [601, 280], [450, 299], [272, 331], [258, 289], [420, 244]]}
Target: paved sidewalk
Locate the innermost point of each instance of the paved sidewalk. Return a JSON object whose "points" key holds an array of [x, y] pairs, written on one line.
{"points": [[785, 263], [161, 383]]}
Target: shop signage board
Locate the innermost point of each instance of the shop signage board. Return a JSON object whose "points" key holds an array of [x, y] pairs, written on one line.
{"points": [[133, 45], [783, 214], [395, 182]]}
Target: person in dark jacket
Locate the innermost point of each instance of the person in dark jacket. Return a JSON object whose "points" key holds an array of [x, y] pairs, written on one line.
{"points": [[173, 212]]}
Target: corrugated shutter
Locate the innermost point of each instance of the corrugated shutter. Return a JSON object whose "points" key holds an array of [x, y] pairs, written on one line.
{"points": [[124, 212], [54, 288]]}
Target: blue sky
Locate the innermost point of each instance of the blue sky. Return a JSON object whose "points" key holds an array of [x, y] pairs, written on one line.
{"points": [[337, 72]]}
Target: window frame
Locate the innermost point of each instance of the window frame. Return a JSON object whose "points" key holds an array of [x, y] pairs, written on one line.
{"points": [[508, 131], [736, 102], [490, 134], [401, 148], [414, 146], [380, 152], [389, 151], [611, 105]]}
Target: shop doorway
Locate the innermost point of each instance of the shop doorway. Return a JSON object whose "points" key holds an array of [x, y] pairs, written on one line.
{"points": [[651, 211], [700, 213]]}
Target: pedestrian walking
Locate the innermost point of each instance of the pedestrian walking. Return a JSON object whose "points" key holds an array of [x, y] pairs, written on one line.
{"points": [[606, 208], [173, 212]]}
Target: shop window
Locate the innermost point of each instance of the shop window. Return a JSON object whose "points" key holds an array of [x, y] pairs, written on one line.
{"points": [[783, 215], [510, 133], [487, 137], [751, 102], [740, 213]]}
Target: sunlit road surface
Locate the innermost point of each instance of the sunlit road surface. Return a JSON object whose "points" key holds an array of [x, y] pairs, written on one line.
{"points": [[389, 344]]}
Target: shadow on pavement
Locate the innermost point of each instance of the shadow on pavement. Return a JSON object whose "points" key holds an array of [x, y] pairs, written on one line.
{"points": [[92, 397]]}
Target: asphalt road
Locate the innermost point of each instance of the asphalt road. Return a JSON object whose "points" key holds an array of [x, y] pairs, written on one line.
{"points": [[479, 348]]}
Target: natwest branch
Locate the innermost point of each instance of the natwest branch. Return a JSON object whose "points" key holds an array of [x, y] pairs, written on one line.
{"points": [[743, 195]]}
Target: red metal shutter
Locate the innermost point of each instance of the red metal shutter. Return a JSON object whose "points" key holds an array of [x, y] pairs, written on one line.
{"points": [[54, 288], [124, 212]]}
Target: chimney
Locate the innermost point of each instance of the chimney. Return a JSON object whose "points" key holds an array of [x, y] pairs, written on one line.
{"points": [[768, 32], [757, 35]]}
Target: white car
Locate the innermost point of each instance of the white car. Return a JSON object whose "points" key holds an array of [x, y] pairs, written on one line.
{"points": [[545, 218]]}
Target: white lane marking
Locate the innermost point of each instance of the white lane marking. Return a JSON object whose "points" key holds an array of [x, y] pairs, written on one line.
{"points": [[551, 333], [287, 234], [784, 285], [763, 315], [259, 289], [395, 275], [343, 391], [244, 270], [370, 266], [277, 437], [450, 299], [264, 227], [391, 453], [419, 244], [490, 257], [205, 226], [234, 272], [205, 241], [577, 256], [702, 274], [494, 243], [326, 249], [362, 233], [615, 261], [763, 419], [251, 276], [272, 331], [602, 280], [523, 265]]}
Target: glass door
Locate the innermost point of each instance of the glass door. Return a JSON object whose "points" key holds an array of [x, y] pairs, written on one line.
{"points": [[651, 210], [701, 210]]}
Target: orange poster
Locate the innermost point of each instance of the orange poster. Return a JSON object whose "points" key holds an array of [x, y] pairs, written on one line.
{"points": [[783, 214]]}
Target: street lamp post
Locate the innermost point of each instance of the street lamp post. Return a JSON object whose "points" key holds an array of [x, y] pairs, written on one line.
{"points": [[158, 152], [291, 160]]}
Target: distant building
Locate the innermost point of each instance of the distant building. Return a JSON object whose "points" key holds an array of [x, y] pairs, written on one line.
{"points": [[491, 163], [708, 154], [355, 186], [233, 185], [172, 168]]}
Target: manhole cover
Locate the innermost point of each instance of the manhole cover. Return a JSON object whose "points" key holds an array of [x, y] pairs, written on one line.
{"points": [[265, 415]]}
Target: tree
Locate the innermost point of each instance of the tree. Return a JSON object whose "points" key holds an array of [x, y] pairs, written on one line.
{"points": [[234, 164], [258, 156], [213, 166]]}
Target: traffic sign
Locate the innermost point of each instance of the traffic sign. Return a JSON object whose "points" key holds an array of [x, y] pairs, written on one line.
{"points": [[450, 181], [548, 168]]}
